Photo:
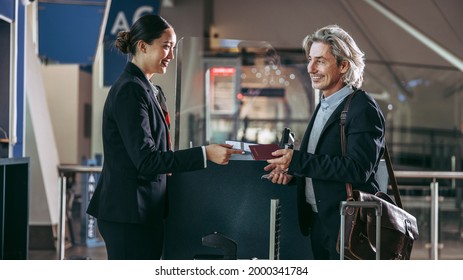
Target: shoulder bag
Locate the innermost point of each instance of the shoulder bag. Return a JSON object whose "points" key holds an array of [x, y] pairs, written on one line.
{"points": [[398, 229]]}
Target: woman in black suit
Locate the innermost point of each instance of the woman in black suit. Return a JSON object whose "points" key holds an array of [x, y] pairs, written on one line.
{"points": [[321, 171], [130, 198]]}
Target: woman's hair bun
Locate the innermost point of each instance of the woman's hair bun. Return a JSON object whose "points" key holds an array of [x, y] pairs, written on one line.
{"points": [[123, 41]]}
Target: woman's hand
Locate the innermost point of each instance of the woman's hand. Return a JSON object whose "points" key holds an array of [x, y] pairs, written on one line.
{"points": [[220, 153]]}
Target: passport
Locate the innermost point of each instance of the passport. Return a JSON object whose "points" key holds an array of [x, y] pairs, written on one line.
{"points": [[263, 151]]}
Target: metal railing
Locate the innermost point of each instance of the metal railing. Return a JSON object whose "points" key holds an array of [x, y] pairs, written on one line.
{"points": [[62, 171], [434, 187]]}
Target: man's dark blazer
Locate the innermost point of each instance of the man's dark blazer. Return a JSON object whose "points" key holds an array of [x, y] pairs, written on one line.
{"points": [[329, 170], [132, 185]]}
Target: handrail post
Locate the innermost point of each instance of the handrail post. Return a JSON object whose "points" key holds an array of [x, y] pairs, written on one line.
{"points": [[61, 236], [434, 219], [342, 229]]}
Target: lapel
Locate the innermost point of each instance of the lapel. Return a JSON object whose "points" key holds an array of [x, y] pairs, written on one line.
{"points": [[335, 115], [151, 95], [132, 69]]}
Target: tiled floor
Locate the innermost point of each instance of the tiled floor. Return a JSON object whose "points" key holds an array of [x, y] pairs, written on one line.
{"points": [[450, 250], [79, 252]]}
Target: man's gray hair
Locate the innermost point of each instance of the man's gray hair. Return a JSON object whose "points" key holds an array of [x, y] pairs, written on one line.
{"points": [[343, 48]]}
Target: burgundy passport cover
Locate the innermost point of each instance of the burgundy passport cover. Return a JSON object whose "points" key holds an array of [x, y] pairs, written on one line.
{"points": [[263, 151]]}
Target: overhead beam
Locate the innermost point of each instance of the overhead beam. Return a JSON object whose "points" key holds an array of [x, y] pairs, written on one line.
{"points": [[362, 28], [420, 36]]}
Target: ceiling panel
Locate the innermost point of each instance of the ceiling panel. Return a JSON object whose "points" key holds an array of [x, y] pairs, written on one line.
{"points": [[68, 30]]}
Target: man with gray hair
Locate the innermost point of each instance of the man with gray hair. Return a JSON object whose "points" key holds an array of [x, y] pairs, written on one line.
{"points": [[335, 67]]}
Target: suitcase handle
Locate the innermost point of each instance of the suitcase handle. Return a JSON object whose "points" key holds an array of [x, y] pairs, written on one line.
{"points": [[361, 204]]}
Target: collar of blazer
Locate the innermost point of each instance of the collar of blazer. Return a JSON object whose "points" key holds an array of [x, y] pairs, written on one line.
{"points": [[334, 117], [133, 70]]}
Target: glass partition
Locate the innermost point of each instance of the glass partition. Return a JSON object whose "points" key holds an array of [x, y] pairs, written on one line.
{"points": [[241, 92]]}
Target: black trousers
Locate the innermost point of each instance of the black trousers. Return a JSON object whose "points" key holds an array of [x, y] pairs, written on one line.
{"points": [[127, 241], [323, 246]]}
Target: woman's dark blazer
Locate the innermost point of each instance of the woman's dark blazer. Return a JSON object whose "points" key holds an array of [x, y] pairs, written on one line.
{"points": [[132, 185], [329, 170]]}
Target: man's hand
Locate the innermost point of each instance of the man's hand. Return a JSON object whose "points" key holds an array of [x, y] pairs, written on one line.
{"points": [[284, 157], [279, 177]]}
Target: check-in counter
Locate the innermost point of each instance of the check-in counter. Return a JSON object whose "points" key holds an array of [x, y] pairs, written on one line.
{"points": [[234, 201]]}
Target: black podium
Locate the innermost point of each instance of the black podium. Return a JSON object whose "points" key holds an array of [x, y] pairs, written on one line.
{"points": [[234, 201], [14, 208]]}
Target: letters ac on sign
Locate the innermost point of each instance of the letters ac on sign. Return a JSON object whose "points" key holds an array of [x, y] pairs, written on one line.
{"points": [[121, 23]]}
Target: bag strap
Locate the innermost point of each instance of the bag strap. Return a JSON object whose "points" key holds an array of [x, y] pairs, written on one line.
{"points": [[342, 124], [392, 179], [390, 169]]}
